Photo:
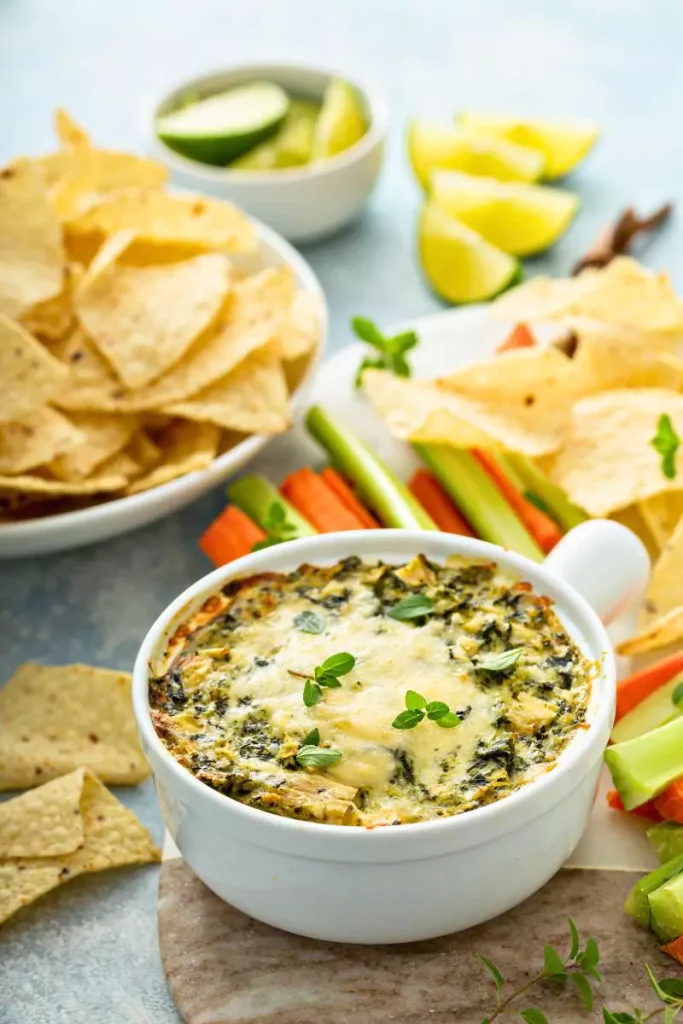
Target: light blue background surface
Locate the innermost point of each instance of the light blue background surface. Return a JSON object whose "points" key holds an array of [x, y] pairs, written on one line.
{"points": [[88, 953]]}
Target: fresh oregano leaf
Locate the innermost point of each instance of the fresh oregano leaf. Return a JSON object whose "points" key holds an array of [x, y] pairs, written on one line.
{"points": [[326, 678], [618, 1018], [338, 664], [436, 709], [312, 740], [593, 971], [415, 606], [312, 693], [533, 1016], [408, 719], [368, 363], [666, 443], [498, 662], [670, 1014], [591, 955], [553, 961], [584, 988], [317, 757], [493, 971], [672, 986], [415, 701], [403, 342], [309, 622], [575, 941], [368, 332], [448, 721], [677, 695]]}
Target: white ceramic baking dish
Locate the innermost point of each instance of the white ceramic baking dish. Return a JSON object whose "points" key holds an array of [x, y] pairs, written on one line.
{"points": [[417, 881]]}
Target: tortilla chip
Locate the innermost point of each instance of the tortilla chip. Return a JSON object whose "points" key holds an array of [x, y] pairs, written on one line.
{"points": [[421, 411], [25, 484], [122, 464], [252, 399], [102, 435], [186, 447], [167, 219], [661, 632], [301, 333], [68, 132], [623, 293], [52, 319], [45, 821], [112, 837], [608, 461], [31, 252], [58, 718], [662, 514], [253, 318], [144, 450], [143, 319], [665, 589], [30, 376], [35, 440], [536, 386]]}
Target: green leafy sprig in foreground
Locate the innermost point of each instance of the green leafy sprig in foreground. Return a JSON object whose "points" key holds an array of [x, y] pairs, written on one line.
{"points": [[325, 675], [391, 350], [580, 968]]}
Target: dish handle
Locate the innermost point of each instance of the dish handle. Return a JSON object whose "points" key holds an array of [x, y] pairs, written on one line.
{"points": [[605, 562]]}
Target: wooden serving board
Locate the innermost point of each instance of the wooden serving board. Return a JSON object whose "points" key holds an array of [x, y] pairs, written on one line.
{"points": [[222, 967]]}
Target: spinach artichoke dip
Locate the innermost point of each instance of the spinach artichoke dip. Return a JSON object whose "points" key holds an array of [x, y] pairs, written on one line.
{"points": [[370, 694]]}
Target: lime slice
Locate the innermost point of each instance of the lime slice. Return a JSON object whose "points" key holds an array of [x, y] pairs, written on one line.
{"points": [[432, 145], [563, 143], [341, 122], [291, 147], [520, 219], [460, 265], [219, 129]]}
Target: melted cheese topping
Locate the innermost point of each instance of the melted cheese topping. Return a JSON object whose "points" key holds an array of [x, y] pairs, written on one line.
{"points": [[240, 719]]}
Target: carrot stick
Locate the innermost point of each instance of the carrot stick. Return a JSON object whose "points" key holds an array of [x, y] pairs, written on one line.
{"points": [[519, 337], [340, 487], [545, 532], [231, 535], [633, 689], [647, 810], [318, 503], [436, 502], [674, 949], [669, 803]]}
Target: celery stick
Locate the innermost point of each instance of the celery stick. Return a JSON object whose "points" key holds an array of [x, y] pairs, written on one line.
{"points": [[478, 498], [391, 500], [666, 909], [562, 510], [651, 713], [255, 496], [641, 768], [637, 902], [667, 840]]}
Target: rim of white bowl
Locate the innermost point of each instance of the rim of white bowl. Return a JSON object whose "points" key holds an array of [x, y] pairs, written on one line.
{"points": [[570, 758], [34, 529], [375, 103]]}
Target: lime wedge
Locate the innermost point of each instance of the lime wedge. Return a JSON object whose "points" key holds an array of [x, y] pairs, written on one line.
{"points": [[520, 219], [219, 129], [563, 143], [432, 145], [291, 147], [460, 265], [342, 121]]}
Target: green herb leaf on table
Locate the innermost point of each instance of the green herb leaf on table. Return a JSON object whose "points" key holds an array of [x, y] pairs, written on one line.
{"points": [[590, 956], [317, 757], [585, 991], [618, 1018], [673, 987], [312, 740], [392, 349], [660, 990], [553, 961], [666, 443], [498, 662], [533, 1016], [493, 971], [309, 622], [415, 606], [677, 695], [575, 942]]}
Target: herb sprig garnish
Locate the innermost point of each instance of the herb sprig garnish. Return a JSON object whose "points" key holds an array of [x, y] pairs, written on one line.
{"points": [[277, 528], [391, 350], [325, 675], [498, 662], [309, 622], [666, 443], [311, 755], [418, 708], [415, 606]]}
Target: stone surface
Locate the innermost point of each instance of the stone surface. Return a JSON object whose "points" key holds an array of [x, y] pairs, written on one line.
{"points": [[225, 968], [88, 954]]}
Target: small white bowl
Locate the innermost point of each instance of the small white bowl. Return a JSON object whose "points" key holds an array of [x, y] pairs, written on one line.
{"points": [[408, 882], [48, 534], [304, 203]]}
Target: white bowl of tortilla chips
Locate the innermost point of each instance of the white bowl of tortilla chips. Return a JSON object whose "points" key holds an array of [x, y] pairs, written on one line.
{"points": [[150, 344]]}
